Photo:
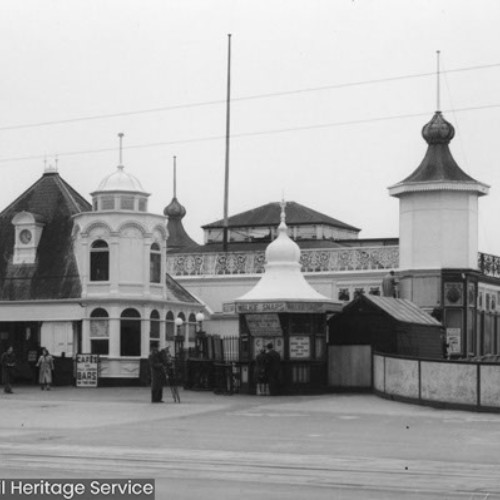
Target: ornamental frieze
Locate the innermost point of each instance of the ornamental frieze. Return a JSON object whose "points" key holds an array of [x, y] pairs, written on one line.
{"points": [[311, 261]]}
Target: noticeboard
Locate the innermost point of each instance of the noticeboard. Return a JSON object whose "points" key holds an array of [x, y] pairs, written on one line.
{"points": [[300, 347], [264, 325], [454, 340], [87, 370]]}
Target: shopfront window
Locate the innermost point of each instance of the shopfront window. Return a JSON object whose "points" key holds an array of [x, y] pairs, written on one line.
{"points": [[99, 332]]}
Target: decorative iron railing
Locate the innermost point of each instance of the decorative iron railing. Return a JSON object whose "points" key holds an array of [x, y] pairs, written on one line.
{"points": [[312, 261], [489, 264]]}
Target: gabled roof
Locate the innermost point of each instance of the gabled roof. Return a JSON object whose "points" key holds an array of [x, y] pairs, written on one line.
{"points": [[269, 215], [401, 310], [54, 275]]}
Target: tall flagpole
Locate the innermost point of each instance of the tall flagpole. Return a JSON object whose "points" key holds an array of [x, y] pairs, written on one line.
{"points": [[438, 52], [226, 177]]}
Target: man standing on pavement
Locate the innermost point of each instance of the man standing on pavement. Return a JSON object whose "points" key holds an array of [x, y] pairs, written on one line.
{"points": [[8, 362], [157, 375], [273, 369]]}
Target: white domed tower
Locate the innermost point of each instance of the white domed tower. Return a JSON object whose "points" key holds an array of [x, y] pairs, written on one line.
{"points": [[121, 253]]}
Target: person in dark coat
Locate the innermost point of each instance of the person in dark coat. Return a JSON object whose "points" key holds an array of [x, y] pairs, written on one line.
{"points": [[389, 285], [261, 373], [157, 375], [8, 362], [273, 369]]}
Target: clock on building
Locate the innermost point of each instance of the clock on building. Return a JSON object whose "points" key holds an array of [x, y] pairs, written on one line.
{"points": [[25, 236]]}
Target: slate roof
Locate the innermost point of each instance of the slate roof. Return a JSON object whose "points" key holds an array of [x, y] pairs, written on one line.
{"points": [[177, 292], [178, 239], [438, 163], [269, 215], [401, 310], [54, 275]]}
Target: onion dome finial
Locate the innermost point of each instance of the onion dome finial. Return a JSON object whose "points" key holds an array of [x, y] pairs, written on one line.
{"points": [[283, 248], [438, 130], [174, 210]]}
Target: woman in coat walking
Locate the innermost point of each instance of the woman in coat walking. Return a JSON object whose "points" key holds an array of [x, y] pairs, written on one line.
{"points": [[46, 365]]}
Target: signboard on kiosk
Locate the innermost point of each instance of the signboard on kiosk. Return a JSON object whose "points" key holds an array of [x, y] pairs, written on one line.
{"points": [[454, 340], [300, 347], [87, 370]]}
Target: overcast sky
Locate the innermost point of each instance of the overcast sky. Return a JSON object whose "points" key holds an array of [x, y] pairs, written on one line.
{"points": [[329, 98]]}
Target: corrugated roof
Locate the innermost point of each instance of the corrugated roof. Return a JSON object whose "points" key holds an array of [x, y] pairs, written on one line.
{"points": [[402, 310], [269, 215]]}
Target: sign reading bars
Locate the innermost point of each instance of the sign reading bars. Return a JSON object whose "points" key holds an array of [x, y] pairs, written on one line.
{"points": [[87, 367]]}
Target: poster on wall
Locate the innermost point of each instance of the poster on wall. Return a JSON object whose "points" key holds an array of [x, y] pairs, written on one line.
{"points": [[300, 347], [261, 342], [454, 340], [87, 366], [264, 325]]}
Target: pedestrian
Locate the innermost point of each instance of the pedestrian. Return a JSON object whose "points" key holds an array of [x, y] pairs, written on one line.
{"points": [[261, 373], [46, 366], [444, 346], [273, 369], [157, 375], [389, 285], [8, 362]]}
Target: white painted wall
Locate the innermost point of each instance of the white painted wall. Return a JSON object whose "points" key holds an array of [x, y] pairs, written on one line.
{"points": [[438, 230]]}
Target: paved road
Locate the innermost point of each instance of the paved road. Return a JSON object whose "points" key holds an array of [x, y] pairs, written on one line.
{"points": [[333, 446]]}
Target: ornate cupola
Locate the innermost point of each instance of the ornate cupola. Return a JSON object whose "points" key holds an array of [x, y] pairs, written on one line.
{"points": [[120, 191], [438, 171], [283, 279], [178, 239]]}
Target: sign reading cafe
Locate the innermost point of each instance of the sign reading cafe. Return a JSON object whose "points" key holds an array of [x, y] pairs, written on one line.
{"points": [[87, 368]]}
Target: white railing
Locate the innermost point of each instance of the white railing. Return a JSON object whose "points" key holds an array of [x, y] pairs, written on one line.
{"points": [[312, 261]]}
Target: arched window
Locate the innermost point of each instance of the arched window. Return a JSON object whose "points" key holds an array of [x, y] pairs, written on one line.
{"points": [[155, 263], [154, 329], [130, 333], [99, 332], [170, 326], [99, 261]]}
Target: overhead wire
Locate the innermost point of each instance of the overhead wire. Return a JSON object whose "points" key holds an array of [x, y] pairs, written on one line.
{"points": [[248, 134], [240, 99]]}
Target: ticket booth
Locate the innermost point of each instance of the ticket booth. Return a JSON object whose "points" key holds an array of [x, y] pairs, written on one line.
{"points": [[297, 331], [285, 310]]}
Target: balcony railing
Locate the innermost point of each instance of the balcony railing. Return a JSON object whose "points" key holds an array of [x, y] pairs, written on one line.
{"points": [[312, 261], [489, 264]]}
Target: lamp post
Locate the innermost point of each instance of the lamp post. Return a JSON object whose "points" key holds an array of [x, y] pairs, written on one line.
{"points": [[200, 335], [200, 317], [179, 339]]}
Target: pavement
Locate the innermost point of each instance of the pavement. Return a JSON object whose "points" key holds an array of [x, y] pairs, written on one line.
{"points": [[214, 446]]}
